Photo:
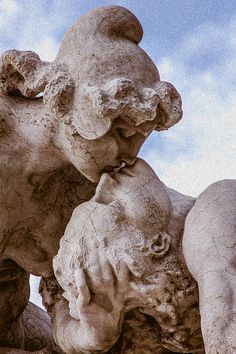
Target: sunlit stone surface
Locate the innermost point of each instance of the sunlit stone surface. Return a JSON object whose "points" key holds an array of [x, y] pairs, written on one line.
{"points": [[124, 259]]}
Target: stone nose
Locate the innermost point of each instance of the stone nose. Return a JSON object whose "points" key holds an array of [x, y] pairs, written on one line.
{"points": [[128, 153]]}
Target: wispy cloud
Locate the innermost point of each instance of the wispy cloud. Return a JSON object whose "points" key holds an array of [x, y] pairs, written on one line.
{"points": [[8, 11], [30, 27], [201, 148]]}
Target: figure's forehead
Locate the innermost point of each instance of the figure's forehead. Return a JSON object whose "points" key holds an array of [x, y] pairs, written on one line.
{"points": [[96, 218], [117, 100]]}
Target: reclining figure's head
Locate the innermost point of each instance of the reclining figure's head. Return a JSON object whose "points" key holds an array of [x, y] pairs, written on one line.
{"points": [[102, 88], [127, 223], [126, 218]]}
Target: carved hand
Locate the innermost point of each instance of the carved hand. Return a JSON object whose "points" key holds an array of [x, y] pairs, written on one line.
{"points": [[95, 310], [101, 299]]}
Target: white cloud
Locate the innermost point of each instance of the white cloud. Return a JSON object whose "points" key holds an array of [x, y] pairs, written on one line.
{"points": [[192, 174], [46, 47], [8, 6], [209, 102], [8, 11], [30, 27]]}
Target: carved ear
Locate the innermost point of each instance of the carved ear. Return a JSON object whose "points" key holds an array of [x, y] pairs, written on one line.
{"points": [[169, 110], [160, 245], [22, 73]]}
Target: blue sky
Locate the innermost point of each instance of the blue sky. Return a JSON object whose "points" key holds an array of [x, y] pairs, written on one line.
{"points": [[193, 44]]}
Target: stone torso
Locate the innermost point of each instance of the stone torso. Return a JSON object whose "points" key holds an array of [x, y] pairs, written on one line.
{"points": [[38, 193]]}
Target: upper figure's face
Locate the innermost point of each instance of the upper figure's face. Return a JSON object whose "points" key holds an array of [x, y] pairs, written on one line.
{"points": [[103, 92], [110, 127], [118, 98]]}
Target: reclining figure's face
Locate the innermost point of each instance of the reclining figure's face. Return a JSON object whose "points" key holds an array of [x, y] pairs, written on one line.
{"points": [[123, 219], [125, 226]]}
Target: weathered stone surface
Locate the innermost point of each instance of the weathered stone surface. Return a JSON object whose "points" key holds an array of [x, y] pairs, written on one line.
{"points": [[119, 253], [95, 113], [36, 326], [209, 248], [127, 273]]}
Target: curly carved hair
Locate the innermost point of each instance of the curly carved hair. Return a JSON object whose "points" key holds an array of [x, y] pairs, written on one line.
{"points": [[85, 88]]}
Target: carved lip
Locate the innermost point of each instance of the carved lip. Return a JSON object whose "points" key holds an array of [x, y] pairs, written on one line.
{"points": [[117, 169], [113, 169], [109, 169]]}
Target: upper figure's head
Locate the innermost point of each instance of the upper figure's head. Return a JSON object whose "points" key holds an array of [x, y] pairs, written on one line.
{"points": [[103, 90]]}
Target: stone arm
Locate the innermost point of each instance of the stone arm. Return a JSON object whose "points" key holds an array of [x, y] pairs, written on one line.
{"points": [[95, 332], [209, 249], [36, 326]]}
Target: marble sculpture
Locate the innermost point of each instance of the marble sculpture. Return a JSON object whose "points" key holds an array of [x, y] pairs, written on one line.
{"points": [[127, 264]]}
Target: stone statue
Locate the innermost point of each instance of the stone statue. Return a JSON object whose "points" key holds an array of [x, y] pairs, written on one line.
{"points": [[120, 252], [140, 268], [124, 250], [101, 98]]}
